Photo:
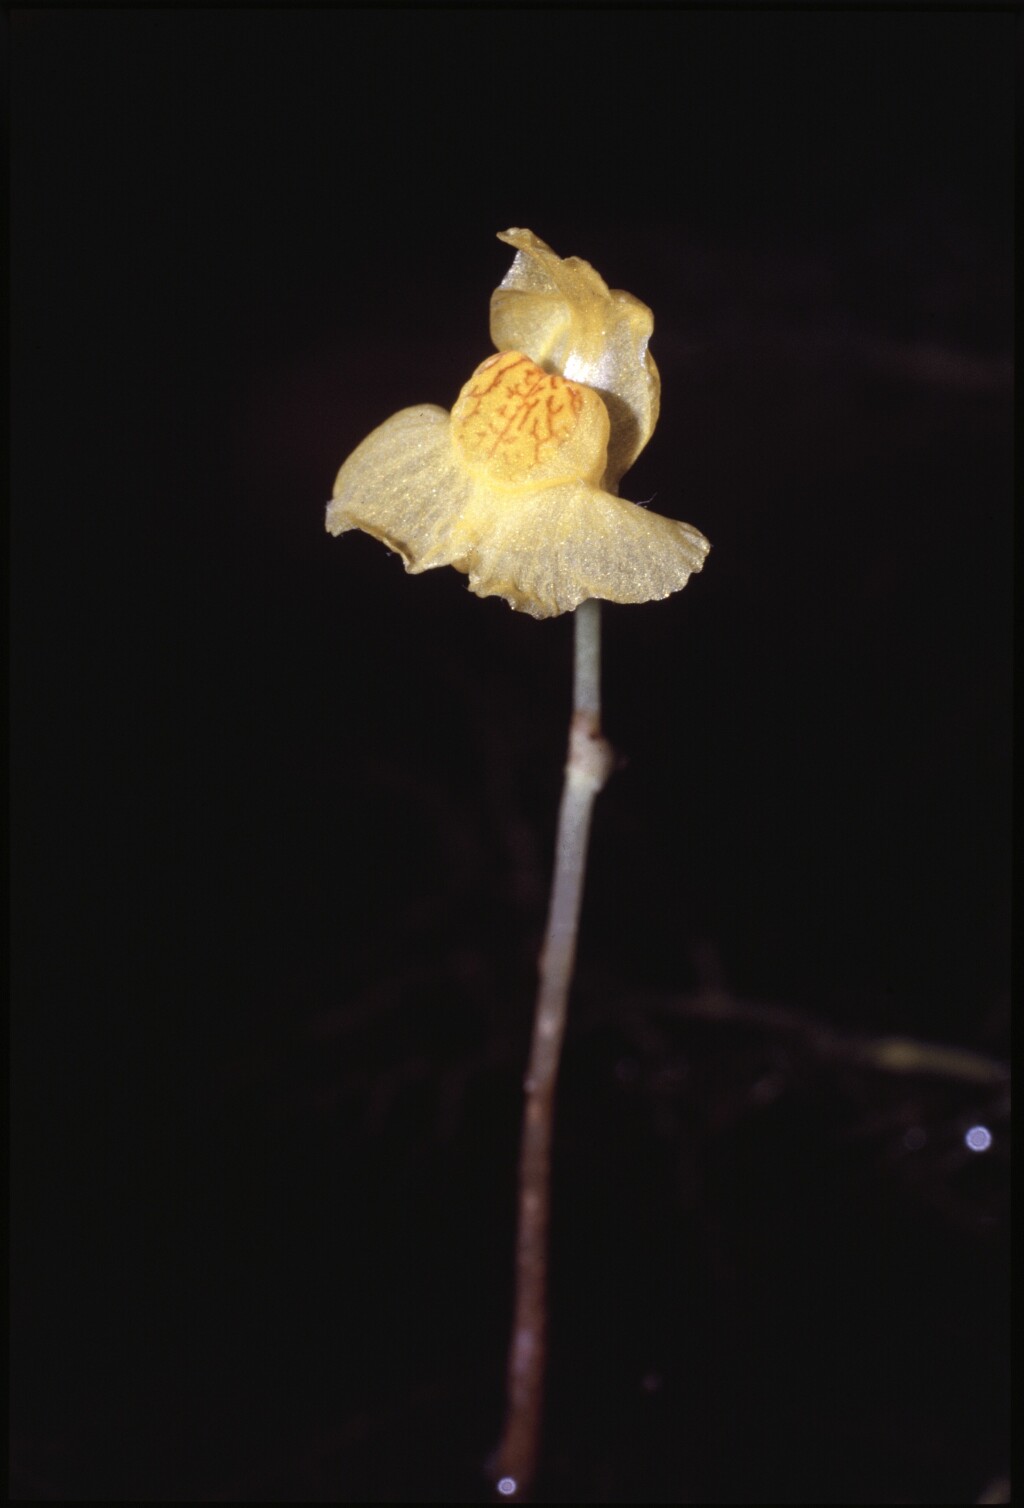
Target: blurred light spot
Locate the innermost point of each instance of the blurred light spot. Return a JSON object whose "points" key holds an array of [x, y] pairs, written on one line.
{"points": [[914, 1138], [507, 1486], [979, 1138], [627, 1071], [651, 1382]]}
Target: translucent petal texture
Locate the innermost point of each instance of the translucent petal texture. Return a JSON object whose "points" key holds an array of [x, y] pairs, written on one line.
{"points": [[504, 490], [594, 545], [563, 315], [404, 486]]}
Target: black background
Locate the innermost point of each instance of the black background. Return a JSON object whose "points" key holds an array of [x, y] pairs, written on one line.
{"points": [[282, 816]]}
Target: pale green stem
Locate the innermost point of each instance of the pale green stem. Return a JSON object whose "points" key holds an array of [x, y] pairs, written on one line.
{"points": [[587, 768]]}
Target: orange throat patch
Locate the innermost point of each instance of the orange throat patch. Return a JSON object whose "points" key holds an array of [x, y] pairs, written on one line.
{"points": [[515, 425]]}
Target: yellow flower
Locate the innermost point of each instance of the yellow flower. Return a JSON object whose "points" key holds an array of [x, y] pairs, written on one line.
{"points": [[516, 486]]}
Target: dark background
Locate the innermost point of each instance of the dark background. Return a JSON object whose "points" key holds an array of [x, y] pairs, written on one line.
{"points": [[283, 816]]}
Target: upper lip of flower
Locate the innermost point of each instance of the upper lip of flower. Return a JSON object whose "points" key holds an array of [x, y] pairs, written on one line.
{"points": [[562, 314], [516, 486]]}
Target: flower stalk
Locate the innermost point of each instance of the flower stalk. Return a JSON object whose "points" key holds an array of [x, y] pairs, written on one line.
{"points": [[587, 768]]}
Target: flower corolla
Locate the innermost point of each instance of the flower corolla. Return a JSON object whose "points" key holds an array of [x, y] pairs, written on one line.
{"points": [[517, 485]]}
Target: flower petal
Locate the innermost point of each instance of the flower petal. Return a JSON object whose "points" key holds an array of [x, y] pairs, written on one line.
{"points": [[403, 486], [562, 314], [557, 547]]}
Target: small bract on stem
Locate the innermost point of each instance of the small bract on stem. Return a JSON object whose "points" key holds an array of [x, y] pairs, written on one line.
{"points": [[518, 487]]}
